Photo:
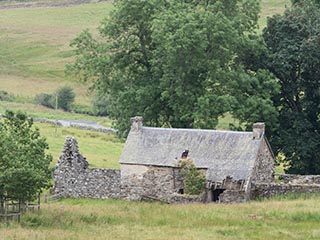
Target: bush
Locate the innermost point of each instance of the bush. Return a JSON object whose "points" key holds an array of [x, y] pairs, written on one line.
{"points": [[66, 97], [5, 96], [100, 105], [194, 181], [83, 109], [45, 99], [24, 164]]}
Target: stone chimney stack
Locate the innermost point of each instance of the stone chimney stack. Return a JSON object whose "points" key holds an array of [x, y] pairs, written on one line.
{"points": [[258, 130], [136, 123]]}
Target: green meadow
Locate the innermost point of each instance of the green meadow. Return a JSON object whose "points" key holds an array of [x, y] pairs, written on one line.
{"points": [[278, 219]]}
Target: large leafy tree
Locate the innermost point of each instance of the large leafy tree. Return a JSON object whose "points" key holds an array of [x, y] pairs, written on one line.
{"points": [[24, 165], [293, 42], [178, 63]]}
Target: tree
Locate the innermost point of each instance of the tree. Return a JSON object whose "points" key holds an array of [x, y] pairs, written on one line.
{"points": [[24, 165], [177, 63], [194, 181], [293, 43], [65, 97]]}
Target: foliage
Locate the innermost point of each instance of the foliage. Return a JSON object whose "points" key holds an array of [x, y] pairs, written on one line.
{"points": [[5, 96], [194, 181], [293, 43], [100, 105], [65, 97], [178, 63], [45, 99], [24, 165]]}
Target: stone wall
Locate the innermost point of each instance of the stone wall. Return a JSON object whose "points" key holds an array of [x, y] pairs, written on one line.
{"points": [[270, 190], [299, 179], [232, 196], [264, 168], [73, 178], [159, 183]]}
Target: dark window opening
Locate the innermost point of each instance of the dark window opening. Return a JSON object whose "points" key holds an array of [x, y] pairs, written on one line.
{"points": [[181, 191], [185, 154], [216, 193]]}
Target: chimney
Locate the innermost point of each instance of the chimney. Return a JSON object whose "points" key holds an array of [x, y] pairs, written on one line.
{"points": [[136, 123], [258, 130]]}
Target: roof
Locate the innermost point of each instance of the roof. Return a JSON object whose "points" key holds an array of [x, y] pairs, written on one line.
{"points": [[224, 153]]}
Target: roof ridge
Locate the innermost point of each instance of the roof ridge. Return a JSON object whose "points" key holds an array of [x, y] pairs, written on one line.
{"points": [[197, 130]]}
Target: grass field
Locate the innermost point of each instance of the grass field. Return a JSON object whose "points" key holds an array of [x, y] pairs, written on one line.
{"points": [[101, 150], [34, 46], [116, 219], [37, 111]]}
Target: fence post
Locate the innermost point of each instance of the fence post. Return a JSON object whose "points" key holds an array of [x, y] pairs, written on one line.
{"points": [[38, 202]]}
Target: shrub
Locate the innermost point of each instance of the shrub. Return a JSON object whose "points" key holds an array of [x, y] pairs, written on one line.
{"points": [[65, 97], [194, 181], [100, 105], [5, 96], [24, 164], [45, 99]]}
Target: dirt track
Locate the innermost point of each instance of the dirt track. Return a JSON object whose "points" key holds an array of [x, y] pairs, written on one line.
{"points": [[40, 4]]}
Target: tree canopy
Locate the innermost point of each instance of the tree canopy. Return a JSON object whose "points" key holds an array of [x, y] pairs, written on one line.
{"points": [[179, 63], [293, 43], [24, 165]]}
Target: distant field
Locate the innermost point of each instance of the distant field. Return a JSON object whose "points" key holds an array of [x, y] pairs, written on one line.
{"points": [[271, 7], [101, 150], [34, 47], [81, 219]]}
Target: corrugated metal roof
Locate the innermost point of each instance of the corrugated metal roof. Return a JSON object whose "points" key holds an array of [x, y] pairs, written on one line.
{"points": [[224, 153]]}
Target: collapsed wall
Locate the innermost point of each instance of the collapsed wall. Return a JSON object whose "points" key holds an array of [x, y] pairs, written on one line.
{"points": [[150, 182], [73, 178]]}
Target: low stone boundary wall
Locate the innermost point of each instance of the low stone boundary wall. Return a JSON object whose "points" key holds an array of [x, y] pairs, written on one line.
{"points": [[299, 179], [270, 190]]}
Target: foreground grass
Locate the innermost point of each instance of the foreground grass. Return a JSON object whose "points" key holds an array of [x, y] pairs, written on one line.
{"points": [[117, 219]]}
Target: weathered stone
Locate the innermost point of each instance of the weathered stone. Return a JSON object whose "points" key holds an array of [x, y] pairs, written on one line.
{"points": [[270, 190], [73, 178]]}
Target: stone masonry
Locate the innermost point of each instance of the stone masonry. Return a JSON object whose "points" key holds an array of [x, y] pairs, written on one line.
{"points": [[73, 178]]}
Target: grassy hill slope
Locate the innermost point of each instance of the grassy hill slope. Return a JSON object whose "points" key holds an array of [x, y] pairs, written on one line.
{"points": [[34, 48]]}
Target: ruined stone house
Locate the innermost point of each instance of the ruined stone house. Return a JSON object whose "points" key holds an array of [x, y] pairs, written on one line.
{"points": [[231, 161], [237, 165]]}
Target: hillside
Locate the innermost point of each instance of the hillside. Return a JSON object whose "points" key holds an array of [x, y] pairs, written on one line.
{"points": [[34, 43], [34, 46]]}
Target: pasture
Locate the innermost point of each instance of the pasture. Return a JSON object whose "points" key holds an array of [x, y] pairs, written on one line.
{"points": [[279, 219]]}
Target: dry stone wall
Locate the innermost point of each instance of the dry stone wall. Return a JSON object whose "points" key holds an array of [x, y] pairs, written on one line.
{"points": [[299, 179], [73, 178], [270, 190]]}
